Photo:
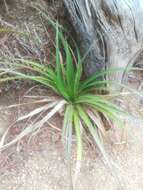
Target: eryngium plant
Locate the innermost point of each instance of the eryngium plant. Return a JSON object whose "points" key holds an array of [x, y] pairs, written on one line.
{"points": [[85, 103]]}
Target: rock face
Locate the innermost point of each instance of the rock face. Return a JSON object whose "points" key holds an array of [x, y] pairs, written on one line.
{"points": [[86, 32], [89, 49], [111, 31]]}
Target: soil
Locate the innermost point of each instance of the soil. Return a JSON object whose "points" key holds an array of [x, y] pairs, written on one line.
{"points": [[38, 162]]}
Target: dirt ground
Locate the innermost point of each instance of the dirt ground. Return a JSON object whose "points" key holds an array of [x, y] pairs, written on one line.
{"points": [[38, 162]]}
